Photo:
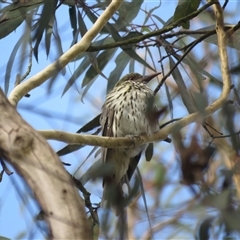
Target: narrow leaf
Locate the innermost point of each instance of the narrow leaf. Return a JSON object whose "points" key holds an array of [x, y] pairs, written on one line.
{"points": [[10, 63], [182, 87], [103, 59], [48, 35], [14, 14], [149, 152], [46, 16], [121, 62], [73, 21], [184, 8]]}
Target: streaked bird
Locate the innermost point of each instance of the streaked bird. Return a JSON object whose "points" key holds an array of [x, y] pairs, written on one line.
{"points": [[129, 110]]}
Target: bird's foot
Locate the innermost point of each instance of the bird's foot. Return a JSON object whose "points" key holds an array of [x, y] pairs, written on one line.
{"points": [[133, 138]]}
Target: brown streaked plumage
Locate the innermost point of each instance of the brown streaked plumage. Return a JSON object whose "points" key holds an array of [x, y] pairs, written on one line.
{"points": [[126, 111]]}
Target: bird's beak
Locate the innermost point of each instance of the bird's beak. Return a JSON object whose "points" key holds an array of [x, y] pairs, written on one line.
{"points": [[148, 78]]}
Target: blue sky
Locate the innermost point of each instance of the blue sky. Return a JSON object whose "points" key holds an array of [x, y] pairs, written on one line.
{"points": [[68, 113]]}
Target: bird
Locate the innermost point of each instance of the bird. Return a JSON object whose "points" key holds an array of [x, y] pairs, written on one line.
{"points": [[128, 110]]}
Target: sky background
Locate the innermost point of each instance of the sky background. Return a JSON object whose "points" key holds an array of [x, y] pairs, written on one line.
{"points": [[48, 110]]}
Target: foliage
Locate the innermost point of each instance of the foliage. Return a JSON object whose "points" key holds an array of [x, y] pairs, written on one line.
{"points": [[189, 186]]}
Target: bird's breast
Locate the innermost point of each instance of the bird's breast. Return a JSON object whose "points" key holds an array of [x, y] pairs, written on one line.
{"points": [[130, 111]]}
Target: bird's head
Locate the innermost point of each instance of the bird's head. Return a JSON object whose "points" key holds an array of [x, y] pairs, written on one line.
{"points": [[136, 77]]}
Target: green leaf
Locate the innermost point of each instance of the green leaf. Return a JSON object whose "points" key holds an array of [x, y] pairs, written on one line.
{"points": [[149, 152], [103, 59], [46, 16], [161, 20], [48, 35], [80, 69], [200, 102], [73, 21], [170, 103], [4, 238], [10, 63], [60, 52], [13, 15], [9, 25], [132, 66], [195, 67], [182, 87], [121, 62], [127, 12], [184, 8], [59, 46], [136, 57], [87, 87]]}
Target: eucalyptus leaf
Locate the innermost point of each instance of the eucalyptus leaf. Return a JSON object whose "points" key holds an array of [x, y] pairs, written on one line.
{"points": [[149, 152], [102, 59], [184, 8], [13, 15], [73, 21], [4, 238], [121, 62], [59, 45], [10, 63], [125, 16], [46, 16], [48, 35], [186, 98]]}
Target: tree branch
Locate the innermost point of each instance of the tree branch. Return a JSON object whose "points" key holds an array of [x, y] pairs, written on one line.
{"points": [[231, 155]]}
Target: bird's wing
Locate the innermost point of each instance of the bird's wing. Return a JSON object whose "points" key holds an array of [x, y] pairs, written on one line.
{"points": [[107, 125]]}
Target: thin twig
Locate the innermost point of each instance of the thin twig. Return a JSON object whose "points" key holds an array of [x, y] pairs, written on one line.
{"points": [[86, 196]]}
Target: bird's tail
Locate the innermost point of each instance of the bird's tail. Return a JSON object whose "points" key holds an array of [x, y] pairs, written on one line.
{"points": [[113, 197], [113, 200]]}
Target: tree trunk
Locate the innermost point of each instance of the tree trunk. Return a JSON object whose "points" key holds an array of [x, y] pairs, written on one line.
{"points": [[29, 153]]}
